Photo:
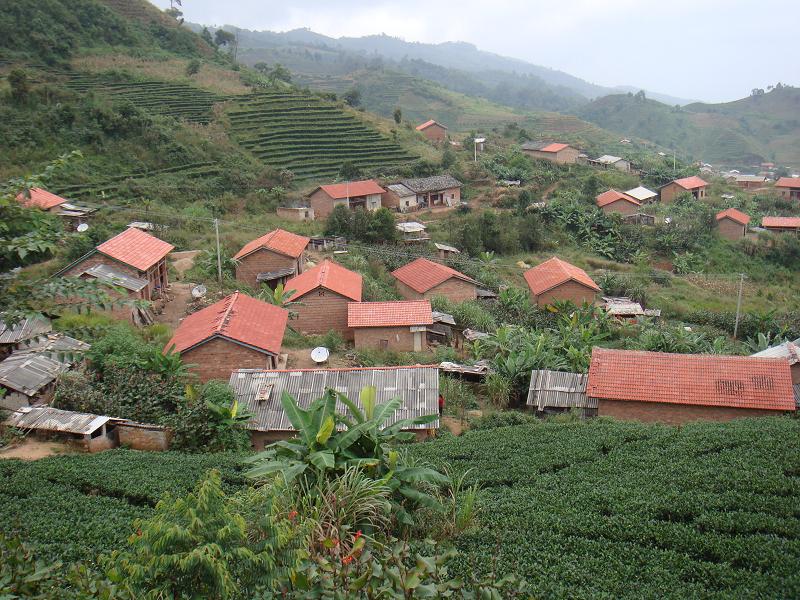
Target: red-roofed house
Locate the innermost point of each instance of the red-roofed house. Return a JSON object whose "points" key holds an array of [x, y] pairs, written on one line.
{"points": [[238, 332], [781, 224], [436, 132], [732, 224], [130, 254], [364, 194], [693, 185], [553, 151], [398, 326], [557, 280], [678, 388], [424, 279], [42, 199], [613, 201], [271, 259], [789, 187], [323, 293]]}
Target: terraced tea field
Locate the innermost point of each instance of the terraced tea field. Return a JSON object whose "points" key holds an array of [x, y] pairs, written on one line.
{"points": [[308, 136]]}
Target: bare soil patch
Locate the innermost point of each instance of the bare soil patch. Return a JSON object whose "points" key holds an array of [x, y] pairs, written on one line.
{"points": [[32, 449]]}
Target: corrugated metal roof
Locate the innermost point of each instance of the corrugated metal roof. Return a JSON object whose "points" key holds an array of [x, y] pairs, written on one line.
{"points": [[400, 190], [24, 330], [29, 372], [641, 193], [53, 419], [260, 391], [608, 159], [446, 248], [787, 350], [410, 227], [559, 389], [52, 345], [109, 274]]}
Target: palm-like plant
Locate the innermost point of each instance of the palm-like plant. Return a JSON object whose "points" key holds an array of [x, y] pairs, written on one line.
{"points": [[280, 296]]}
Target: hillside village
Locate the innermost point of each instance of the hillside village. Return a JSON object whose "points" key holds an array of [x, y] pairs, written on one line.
{"points": [[524, 338]]}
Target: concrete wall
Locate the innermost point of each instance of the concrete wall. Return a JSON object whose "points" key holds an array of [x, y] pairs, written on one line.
{"points": [[570, 290], [401, 203], [321, 311], [217, 358], [435, 132], [296, 214], [730, 229], [263, 261], [674, 414], [144, 437], [621, 207], [456, 290], [399, 339]]}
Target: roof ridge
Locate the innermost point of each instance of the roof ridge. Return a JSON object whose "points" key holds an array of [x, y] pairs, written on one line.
{"points": [[223, 322]]}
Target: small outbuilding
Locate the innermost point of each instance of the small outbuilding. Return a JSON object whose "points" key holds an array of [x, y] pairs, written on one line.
{"points": [[438, 190], [94, 432], [732, 224], [750, 182], [398, 326], [788, 187], [612, 201], [271, 259], [236, 332], [781, 224], [693, 185], [433, 130], [26, 329], [400, 198], [553, 392], [412, 232], [444, 251], [642, 194], [608, 161], [424, 279], [557, 280], [365, 194]]}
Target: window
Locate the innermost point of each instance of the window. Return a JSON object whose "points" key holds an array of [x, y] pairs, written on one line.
{"points": [[384, 344]]}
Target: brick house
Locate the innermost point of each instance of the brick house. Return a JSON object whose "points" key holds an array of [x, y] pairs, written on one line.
{"points": [[439, 190], [323, 293], [435, 132], [366, 194], [557, 280], [789, 187], [612, 201], [398, 326], [271, 259], [552, 151], [694, 185], [131, 255], [238, 332], [781, 224], [750, 182], [679, 388], [41, 199], [732, 224], [423, 279]]}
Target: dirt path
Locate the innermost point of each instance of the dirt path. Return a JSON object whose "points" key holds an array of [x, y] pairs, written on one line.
{"points": [[453, 424], [175, 310], [183, 261], [32, 449]]}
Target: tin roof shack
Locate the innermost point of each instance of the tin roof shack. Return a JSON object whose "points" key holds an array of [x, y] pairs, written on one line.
{"points": [[553, 392], [639, 218], [435, 132], [364, 194], [552, 151], [642, 194], [127, 287], [400, 198], [259, 392], [750, 182], [93, 433], [788, 351], [788, 187], [412, 232], [557, 280], [781, 224], [439, 190], [323, 294], [694, 185], [679, 388], [26, 329], [626, 309], [236, 332], [441, 331], [607, 161], [612, 201], [295, 213], [271, 259], [397, 326], [424, 279], [133, 252], [732, 224], [444, 251]]}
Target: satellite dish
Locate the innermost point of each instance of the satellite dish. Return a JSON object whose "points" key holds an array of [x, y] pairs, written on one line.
{"points": [[199, 291], [320, 354], [82, 227]]}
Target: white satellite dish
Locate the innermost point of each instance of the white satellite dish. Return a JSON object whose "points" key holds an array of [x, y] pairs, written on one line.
{"points": [[320, 354], [82, 227], [199, 291]]}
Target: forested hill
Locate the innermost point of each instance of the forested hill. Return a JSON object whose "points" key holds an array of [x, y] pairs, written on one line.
{"points": [[763, 127]]}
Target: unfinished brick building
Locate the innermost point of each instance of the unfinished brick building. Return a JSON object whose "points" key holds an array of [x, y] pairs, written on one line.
{"points": [[271, 259]]}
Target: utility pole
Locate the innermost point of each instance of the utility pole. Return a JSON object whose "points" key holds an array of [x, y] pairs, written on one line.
{"points": [[219, 256], [738, 306]]}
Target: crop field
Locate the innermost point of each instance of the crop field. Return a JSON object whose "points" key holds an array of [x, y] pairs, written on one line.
{"points": [[308, 136], [619, 510]]}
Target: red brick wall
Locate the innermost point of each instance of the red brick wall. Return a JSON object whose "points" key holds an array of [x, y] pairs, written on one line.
{"points": [[435, 133], [263, 261], [570, 290], [321, 311], [730, 229], [400, 339], [669, 192], [456, 290], [620, 207], [217, 358], [323, 204], [674, 414]]}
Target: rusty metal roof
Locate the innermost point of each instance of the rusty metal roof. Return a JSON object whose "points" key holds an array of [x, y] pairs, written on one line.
{"points": [[54, 419], [260, 391], [559, 389], [23, 330]]}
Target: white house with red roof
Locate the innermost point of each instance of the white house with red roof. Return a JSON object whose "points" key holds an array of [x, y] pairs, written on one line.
{"points": [[693, 185], [556, 280], [398, 326], [238, 332], [424, 279], [557, 152], [366, 194], [271, 259]]}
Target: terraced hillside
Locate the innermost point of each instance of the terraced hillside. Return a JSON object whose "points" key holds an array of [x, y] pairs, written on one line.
{"points": [[309, 136]]}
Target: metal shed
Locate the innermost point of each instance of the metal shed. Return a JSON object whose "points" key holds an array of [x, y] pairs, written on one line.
{"points": [[558, 391], [109, 274], [94, 432], [23, 330], [26, 374]]}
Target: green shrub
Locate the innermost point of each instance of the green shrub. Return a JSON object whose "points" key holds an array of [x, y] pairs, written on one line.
{"points": [[501, 418]]}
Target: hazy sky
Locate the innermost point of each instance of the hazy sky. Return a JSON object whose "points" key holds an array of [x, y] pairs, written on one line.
{"points": [[712, 50]]}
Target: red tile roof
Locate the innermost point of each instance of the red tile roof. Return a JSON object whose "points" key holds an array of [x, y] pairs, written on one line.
{"points": [[427, 124], [136, 248], [40, 198], [612, 195], [352, 189], [690, 183], [237, 317], [789, 182], [554, 147], [389, 314], [698, 379], [329, 275], [782, 222], [422, 275], [734, 215], [278, 240], [553, 272]]}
